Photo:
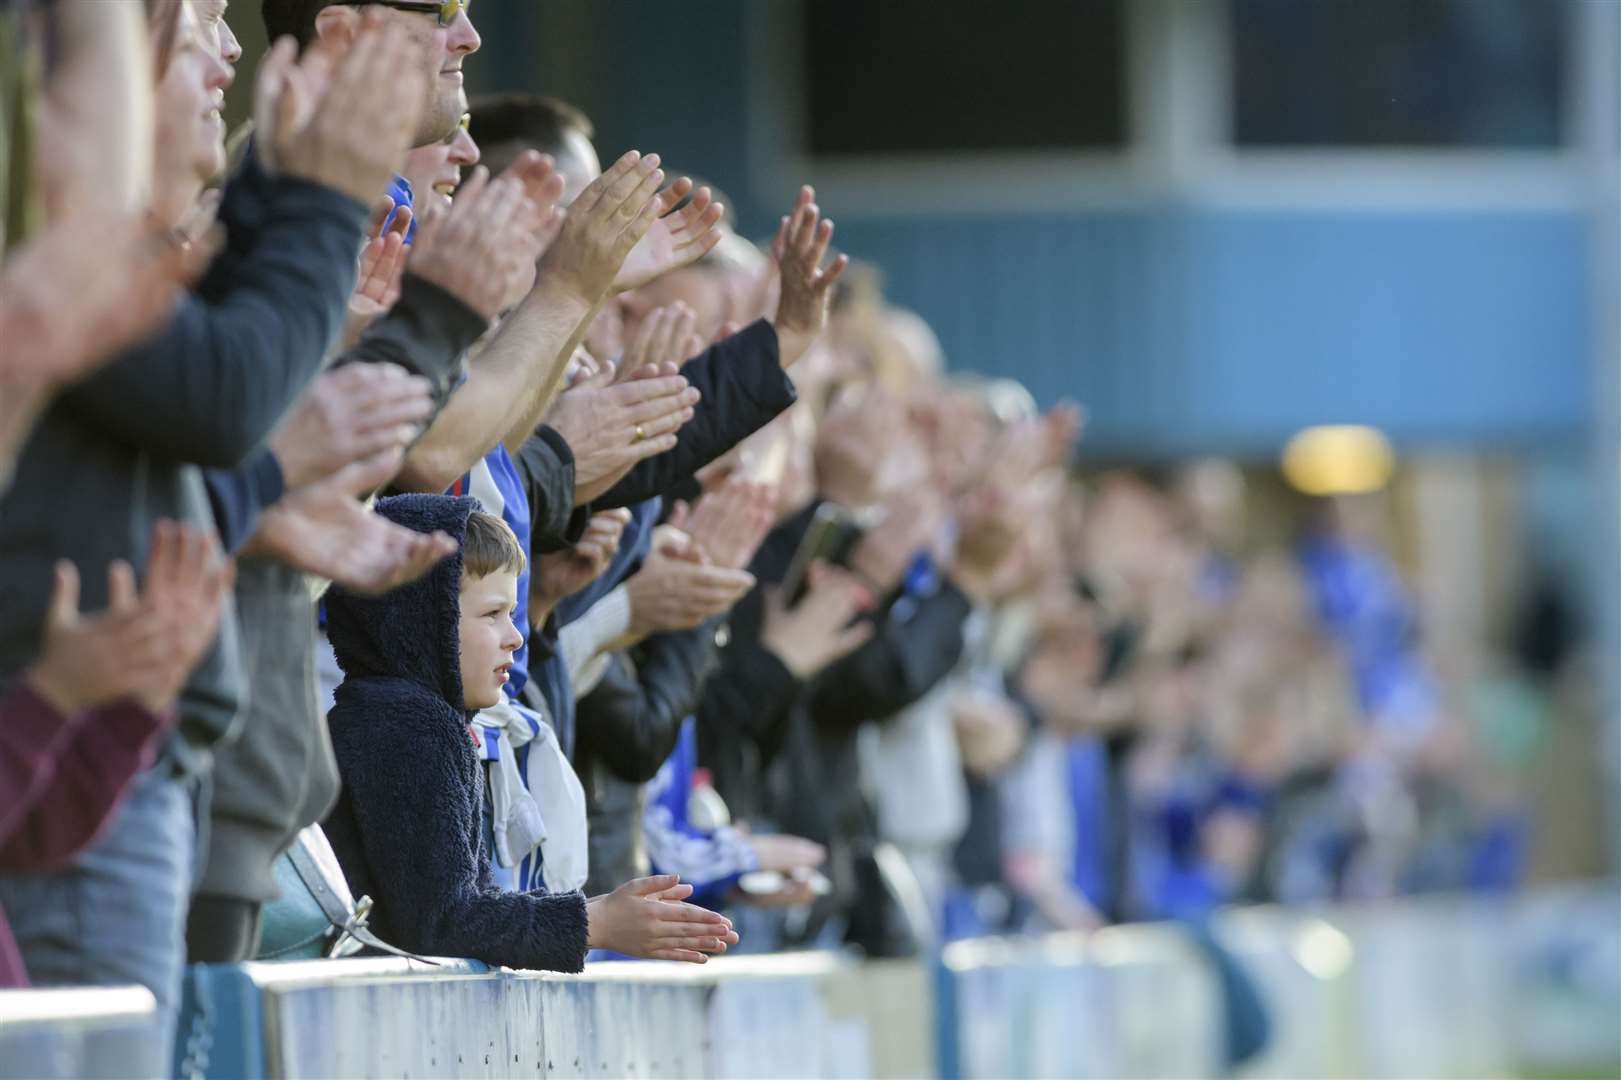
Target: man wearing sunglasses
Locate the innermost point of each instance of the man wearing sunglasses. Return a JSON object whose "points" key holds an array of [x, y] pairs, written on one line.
{"points": [[445, 27], [436, 171]]}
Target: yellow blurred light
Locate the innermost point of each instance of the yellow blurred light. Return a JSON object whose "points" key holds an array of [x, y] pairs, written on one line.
{"points": [[1323, 950], [1338, 459]]}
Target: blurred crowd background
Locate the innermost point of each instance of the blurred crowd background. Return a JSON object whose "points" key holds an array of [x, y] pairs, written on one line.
{"points": [[1218, 226], [1196, 485]]}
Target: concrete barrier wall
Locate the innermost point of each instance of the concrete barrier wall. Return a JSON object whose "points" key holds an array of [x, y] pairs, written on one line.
{"points": [[82, 1033], [1125, 1002], [789, 1016], [1442, 988]]}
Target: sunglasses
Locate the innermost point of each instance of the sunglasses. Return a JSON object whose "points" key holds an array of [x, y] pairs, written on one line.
{"points": [[466, 124], [446, 10]]}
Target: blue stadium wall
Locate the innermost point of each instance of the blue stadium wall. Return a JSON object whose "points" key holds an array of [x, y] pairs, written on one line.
{"points": [[1182, 329]]}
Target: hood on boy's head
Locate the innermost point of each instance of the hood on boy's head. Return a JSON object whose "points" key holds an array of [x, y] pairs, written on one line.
{"points": [[413, 632]]}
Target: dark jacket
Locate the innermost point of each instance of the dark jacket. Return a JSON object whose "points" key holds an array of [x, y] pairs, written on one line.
{"points": [[744, 388], [120, 450], [916, 642], [427, 332], [787, 750], [628, 725], [407, 825], [743, 714], [545, 466]]}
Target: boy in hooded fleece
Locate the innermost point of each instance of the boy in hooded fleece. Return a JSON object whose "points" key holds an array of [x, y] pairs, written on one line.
{"points": [[418, 663]]}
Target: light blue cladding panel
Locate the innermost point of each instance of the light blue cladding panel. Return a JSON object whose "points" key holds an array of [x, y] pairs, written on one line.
{"points": [[1206, 330]]}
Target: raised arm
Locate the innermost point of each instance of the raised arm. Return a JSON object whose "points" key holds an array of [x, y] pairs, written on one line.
{"points": [[743, 379], [741, 387], [212, 386], [514, 378]]}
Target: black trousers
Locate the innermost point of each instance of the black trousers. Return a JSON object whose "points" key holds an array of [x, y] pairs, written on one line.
{"points": [[222, 930]]}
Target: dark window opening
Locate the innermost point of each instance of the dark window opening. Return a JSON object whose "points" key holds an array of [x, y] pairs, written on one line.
{"points": [[1419, 73], [943, 76]]}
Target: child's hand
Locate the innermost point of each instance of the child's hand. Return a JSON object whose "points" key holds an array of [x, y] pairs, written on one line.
{"points": [[645, 918], [140, 647]]}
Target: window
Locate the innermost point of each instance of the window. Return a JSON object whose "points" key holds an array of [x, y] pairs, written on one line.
{"points": [[1412, 73], [953, 76]]}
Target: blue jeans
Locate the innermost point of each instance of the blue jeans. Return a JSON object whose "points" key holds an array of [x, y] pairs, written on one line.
{"points": [[117, 914]]}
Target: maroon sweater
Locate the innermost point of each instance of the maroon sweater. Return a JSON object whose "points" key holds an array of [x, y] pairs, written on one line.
{"points": [[61, 778]]}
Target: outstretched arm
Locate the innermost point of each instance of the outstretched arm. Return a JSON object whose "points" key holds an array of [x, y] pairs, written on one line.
{"points": [[435, 894]]}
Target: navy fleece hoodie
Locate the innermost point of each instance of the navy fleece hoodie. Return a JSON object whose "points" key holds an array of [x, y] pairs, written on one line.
{"points": [[407, 826]]}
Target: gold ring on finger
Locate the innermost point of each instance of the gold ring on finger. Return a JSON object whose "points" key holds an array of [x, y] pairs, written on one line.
{"points": [[641, 434]]}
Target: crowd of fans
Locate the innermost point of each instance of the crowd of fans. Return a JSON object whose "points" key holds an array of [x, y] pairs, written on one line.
{"points": [[598, 581]]}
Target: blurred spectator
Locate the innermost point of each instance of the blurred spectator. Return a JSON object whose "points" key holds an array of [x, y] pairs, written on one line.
{"points": [[121, 449]]}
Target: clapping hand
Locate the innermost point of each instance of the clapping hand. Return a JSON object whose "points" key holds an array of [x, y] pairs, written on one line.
{"points": [[608, 219], [382, 269], [324, 529], [677, 589], [677, 238], [347, 415], [342, 115], [535, 222], [1030, 448], [483, 249], [822, 628], [543, 186], [664, 341], [729, 524], [611, 428], [912, 524], [144, 646]]}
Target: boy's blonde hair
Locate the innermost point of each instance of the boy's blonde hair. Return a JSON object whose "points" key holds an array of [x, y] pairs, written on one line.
{"points": [[490, 546]]}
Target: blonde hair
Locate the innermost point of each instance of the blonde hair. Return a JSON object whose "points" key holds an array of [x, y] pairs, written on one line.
{"points": [[490, 547]]}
